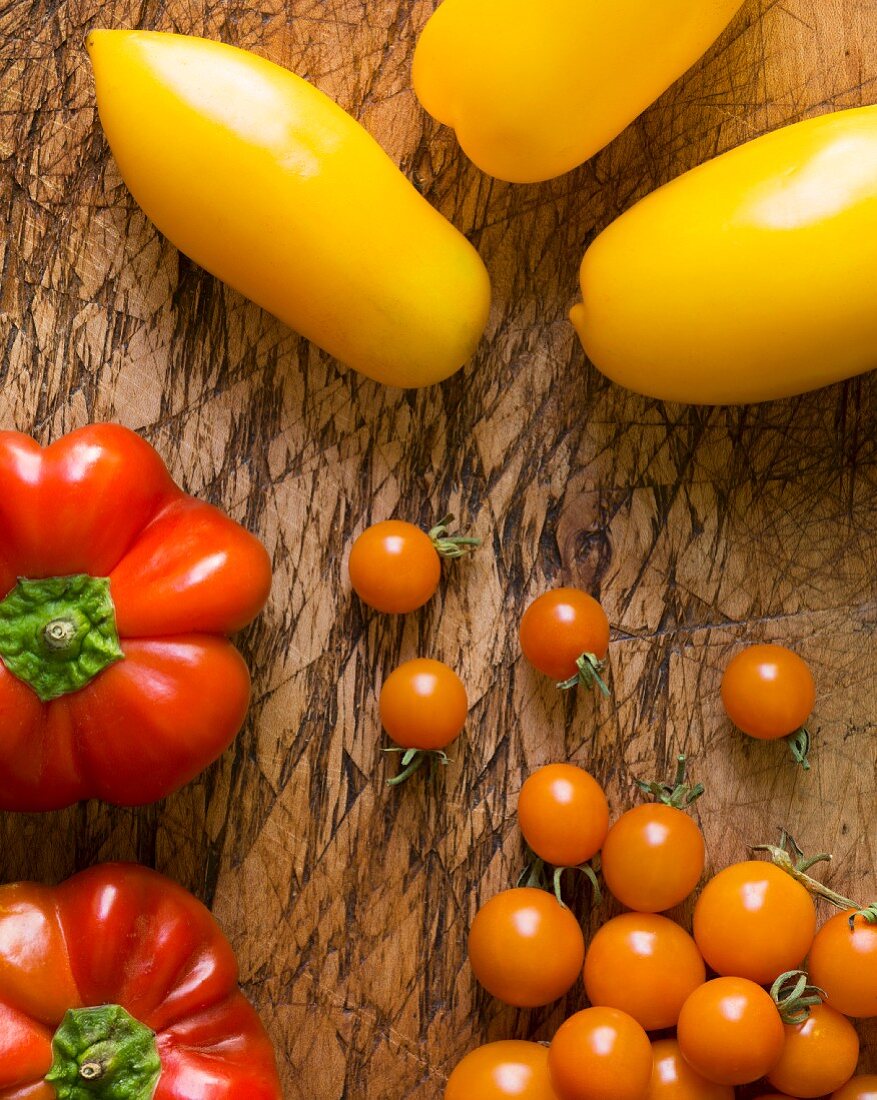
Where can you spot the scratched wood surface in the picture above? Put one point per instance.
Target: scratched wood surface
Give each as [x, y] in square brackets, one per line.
[699, 529]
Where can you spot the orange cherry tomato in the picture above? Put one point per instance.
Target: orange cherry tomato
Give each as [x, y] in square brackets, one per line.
[843, 962]
[600, 1054]
[862, 1087]
[525, 948]
[730, 1031]
[563, 814]
[498, 1071]
[653, 857]
[423, 705]
[394, 567]
[819, 1055]
[559, 628]
[674, 1079]
[644, 965]
[754, 921]
[768, 691]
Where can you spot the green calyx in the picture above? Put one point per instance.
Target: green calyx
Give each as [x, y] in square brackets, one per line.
[103, 1052]
[414, 759]
[794, 996]
[448, 545]
[539, 875]
[589, 674]
[57, 634]
[799, 746]
[677, 794]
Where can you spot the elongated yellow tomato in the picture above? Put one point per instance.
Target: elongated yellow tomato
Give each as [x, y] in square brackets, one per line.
[271, 186]
[749, 278]
[535, 87]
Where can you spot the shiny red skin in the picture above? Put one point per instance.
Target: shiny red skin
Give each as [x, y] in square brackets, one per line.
[121, 934]
[182, 575]
[561, 625]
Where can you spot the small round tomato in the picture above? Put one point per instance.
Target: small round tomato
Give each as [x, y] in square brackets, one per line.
[525, 948]
[730, 1031]
[653, 857]
[843, 962]
[394, 567]
[768, 691]
[423, 705]
[819, 1055]
[502, 1070]
[863, 1087]
[565, 634]
[644, 965]
[563, 814]
[600, 1054]
[754, 921]
[674, 1079]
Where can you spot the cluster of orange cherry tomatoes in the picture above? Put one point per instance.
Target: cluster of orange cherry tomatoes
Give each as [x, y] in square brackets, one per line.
[754, 922]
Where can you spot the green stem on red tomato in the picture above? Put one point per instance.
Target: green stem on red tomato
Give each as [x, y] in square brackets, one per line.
[789, 857]
[58, 633]
[677, 794]
[589, 669]
[448, 545]
[103, 1052]
[794, 996]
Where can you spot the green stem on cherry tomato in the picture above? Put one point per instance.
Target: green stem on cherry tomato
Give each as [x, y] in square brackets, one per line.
[677, 794]
[536, 876]
[799, 746]
[789, 857]
[794, 996]
[414, 759]
[448, 545]
[588, 670]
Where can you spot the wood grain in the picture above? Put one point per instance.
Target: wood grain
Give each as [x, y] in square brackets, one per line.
[698, 529]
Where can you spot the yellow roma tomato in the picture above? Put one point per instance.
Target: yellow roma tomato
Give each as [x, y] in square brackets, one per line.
[730, 1031]
[749, 278]
[563, 814]
[502, 1071]
[674, 1079]
[752, 920]
[820, 1054]
[863, 1087]
[525, 948]
[644, 965]
[600, 1054]
[533, 89]
[843, 963]
[271, 186]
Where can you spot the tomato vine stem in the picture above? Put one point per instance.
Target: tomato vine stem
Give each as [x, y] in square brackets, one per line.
[448, 545]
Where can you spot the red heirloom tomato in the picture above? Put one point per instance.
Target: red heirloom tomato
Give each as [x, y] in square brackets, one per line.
[730, 1031]
[130, 979]
[563, 814]
[768, 692]
[645, 965]
[525, 948]
[600, 1054]
[863, 1087]
[843, 963]
[116, 678]
[819, 1055]
[754, 921]
[674, 1079]
[500, 1071]
[565, 634]
[395, 567]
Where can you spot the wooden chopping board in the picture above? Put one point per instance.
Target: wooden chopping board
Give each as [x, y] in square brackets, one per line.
[699, 529]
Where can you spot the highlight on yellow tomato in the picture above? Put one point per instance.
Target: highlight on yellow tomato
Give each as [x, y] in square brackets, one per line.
[267, 183]
[749, 278]
[535, 87]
